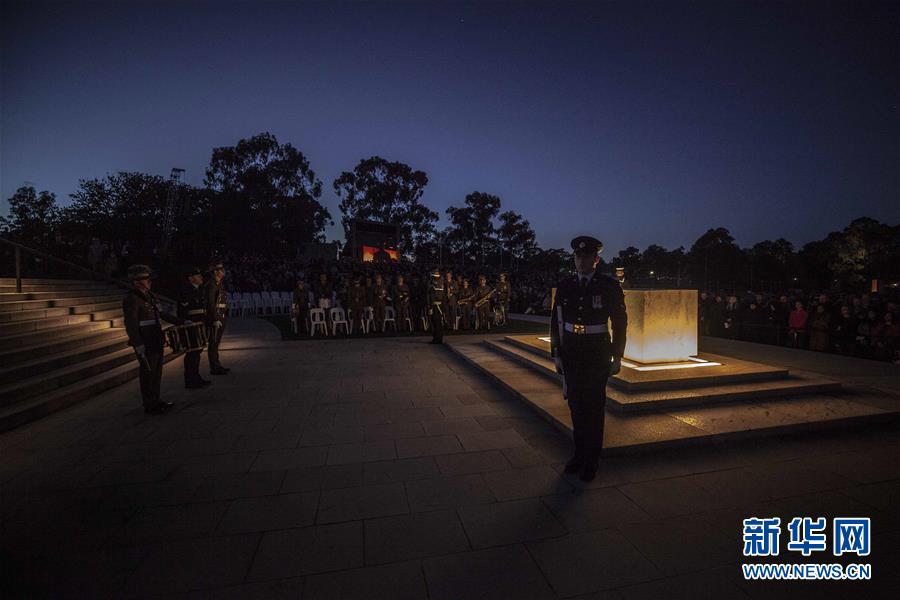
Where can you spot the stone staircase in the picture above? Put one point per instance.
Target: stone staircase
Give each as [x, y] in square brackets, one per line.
[754, 400]
[61, 342]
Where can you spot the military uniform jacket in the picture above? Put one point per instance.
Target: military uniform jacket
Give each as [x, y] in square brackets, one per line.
[451, 291]
[503, 291]
[192, 304]
[356, 297]
[593, 304]
[380, 291]
[482, 292]
[142, 321]
[401, 294]
[436, 295]
[216, 301]
[466, 295]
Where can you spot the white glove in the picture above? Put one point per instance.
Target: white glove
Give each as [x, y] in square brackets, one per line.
[559, 366]
[217, 324]
[615, 365]
[139, 350]
[430, 312]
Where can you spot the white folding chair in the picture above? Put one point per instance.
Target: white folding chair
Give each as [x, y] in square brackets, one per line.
[338, 317]
[390, 316]
[368, 319]
[287, 299]
[256, 303]
[425, 320]
[408, 320]
[317, 321]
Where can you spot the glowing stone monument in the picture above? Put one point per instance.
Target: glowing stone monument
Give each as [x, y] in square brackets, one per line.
[662, 325]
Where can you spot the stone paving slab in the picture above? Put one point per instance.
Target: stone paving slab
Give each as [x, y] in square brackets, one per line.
[221, 498]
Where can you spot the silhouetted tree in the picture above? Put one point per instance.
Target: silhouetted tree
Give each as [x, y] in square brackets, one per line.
[32, 216]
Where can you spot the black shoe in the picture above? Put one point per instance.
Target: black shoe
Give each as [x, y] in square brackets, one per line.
[219, 371]
[154, 409]
[195, 385]
[574, 464]
[166, 405]
[587, 471]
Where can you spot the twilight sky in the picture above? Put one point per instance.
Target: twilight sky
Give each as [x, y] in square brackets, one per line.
[636, 123]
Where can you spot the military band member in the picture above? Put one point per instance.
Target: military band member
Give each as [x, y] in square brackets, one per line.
[451, 291]
[300, 304]
[142, 313]
[380, 299]
[436, 307]
[584, 353]
[192, 309]
[465, 301]
[324, 293]
[356, 301]
[483, 295]
[503, 295]
[216, 315]
[401, 295]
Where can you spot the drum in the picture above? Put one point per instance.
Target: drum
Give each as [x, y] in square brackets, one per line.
[187, 338]
[174, 340]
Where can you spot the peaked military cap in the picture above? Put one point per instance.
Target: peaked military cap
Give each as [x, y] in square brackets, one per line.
[585, 244]
[216, 264]
[139, 272]
[436, 273]
[190, 271]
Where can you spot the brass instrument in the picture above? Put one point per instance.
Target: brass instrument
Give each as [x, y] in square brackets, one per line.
[485, 298]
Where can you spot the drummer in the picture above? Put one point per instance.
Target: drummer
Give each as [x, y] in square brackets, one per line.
[192, 308]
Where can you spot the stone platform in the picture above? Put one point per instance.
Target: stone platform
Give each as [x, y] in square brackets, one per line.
[658, 409]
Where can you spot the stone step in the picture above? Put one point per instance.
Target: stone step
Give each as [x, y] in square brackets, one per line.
[40, 406]
[54, 295]
[43, 383]
[622, 401]
[31, 338]
[38, 313]
[84, 309]
[36, 325]
[25, 305]
[66, 343]
[85, 349]
[651, 430]
[632, 380]
[108, 314]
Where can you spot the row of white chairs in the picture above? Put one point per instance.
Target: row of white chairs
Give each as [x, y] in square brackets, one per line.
[318, 321]
[242, 304]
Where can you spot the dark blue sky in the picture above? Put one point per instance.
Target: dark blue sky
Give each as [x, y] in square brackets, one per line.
[636, 123]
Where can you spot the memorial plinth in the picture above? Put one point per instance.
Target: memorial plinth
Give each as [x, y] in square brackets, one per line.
[662, 325]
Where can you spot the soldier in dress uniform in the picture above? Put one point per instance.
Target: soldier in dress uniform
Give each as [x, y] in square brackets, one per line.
[300, 305]
[380, 299]
[584, 353]
[216, 315]
[436, 307]
[324, 293]
[503, 295]
[451, 292]
[483, 295]
[401, 296]
[356, 301]
[192, 309]
[466, 298]
[142, 313]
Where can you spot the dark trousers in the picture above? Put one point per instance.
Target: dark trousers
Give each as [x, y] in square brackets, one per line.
[192, 367]
[484, 316]
[437, 326]
[464, 312]
[212, 348]
[151, 378]
[586, 374]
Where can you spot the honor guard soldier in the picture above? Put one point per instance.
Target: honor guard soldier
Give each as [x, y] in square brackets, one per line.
[192, 309]
[464, 304]
[300, 307]
[216, 313]
[356, 301]
[584, 353]
[451, 292]
[142, 313]
[503, 296]
[380, 299]
[436, 307]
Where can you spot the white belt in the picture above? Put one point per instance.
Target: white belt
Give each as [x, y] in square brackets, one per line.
[148, 322]
[578, 328]
[221, 305]
[197, 311]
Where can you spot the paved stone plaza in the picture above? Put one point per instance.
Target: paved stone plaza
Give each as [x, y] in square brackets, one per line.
[388, 468]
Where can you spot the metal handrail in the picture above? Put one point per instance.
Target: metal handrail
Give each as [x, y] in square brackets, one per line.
[19, 248]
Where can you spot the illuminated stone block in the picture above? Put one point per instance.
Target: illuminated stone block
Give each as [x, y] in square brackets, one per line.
[662, 325]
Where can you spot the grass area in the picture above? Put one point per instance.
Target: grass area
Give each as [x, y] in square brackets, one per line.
[283, 323]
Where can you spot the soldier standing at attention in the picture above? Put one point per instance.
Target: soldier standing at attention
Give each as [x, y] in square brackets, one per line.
[216, 312]
[436, 307]
[300, 305]
[356, 300]
[451, 291]
[585, 355]
[483, 303]
[192, 309]
[379, 301]
[140, 308]
[402, 299]
[464, 303]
